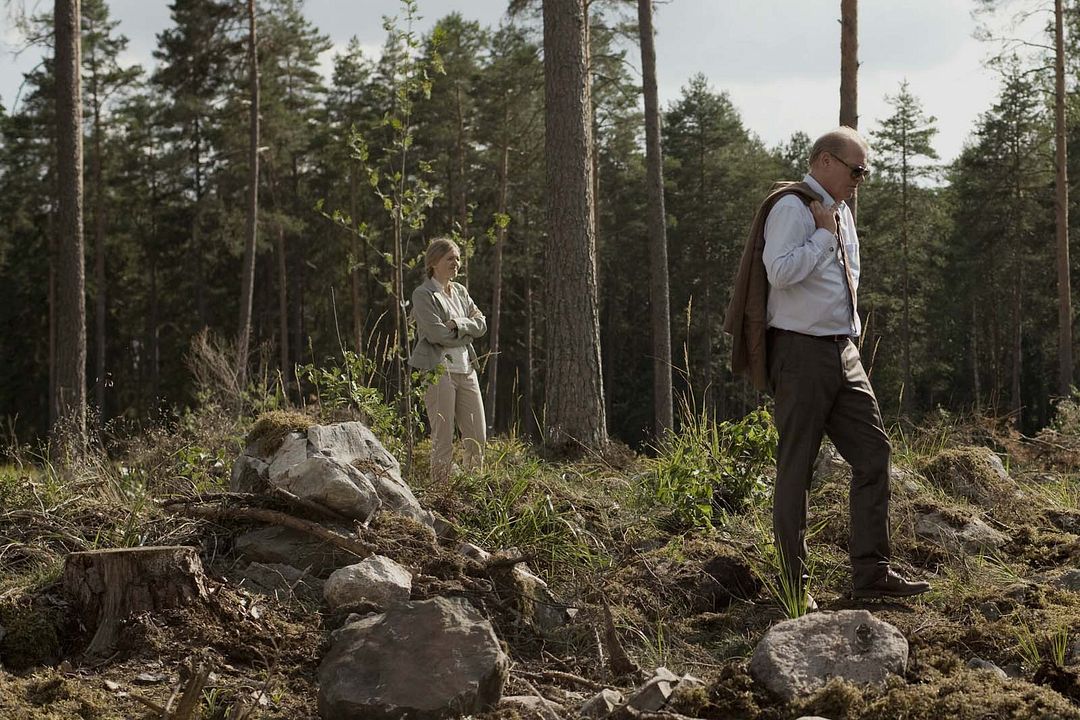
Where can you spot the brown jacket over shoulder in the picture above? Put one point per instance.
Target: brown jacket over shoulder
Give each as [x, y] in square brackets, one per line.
[747, 313]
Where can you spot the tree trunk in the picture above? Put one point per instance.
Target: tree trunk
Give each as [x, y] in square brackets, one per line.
[574, 414]
[69, 429]
[247, 278]
[905, 274]
[355, 258]
[1065, 362]
[659, 296]
[975, 384]
[111, 585]
[849, 73]
[531, 424]
[461, 198]
[99, 259]
[283, 308]
[496, 293]
[1017, 349]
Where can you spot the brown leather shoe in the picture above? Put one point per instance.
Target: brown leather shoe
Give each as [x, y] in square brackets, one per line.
[891, 585]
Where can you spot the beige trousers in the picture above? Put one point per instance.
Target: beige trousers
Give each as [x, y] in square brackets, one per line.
[455, 398]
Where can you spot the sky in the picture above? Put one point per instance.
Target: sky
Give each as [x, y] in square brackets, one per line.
[778, 60]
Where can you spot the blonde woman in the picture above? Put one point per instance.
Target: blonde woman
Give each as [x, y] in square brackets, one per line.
[447, 321]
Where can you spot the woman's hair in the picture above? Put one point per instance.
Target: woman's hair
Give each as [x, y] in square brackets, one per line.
[836, 142]
[436, 251]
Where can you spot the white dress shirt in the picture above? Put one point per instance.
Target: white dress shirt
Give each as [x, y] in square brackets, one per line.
[807, 289]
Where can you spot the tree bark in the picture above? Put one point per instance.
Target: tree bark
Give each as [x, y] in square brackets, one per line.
[99, 254]
[69, 430]
[849, 73]
[497, 271]
[659, 295]
[248, 271]
[111, 585]
[283, 308]
[1065, 361]
[574, 415]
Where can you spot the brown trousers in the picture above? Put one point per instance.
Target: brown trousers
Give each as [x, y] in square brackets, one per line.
[820, 387]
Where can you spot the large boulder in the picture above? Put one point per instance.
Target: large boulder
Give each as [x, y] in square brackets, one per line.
[377, 580]
[348, 454]
[331, 484]
[797, 657]
[959, 532]
[973, 473]
[424, 660]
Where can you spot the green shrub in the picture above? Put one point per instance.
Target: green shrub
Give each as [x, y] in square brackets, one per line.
[710, 467]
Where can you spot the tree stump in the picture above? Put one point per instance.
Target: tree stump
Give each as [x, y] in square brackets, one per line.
[111, 585]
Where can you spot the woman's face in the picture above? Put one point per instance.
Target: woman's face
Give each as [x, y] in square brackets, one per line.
[446, 269]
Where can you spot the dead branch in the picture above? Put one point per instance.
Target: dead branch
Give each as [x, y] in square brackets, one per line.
[273, 517]
[559, 676]
[619, 662]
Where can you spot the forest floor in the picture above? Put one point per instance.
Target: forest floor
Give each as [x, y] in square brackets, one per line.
[686, 576]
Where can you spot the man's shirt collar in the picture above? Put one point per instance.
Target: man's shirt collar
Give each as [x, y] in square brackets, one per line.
[826, 199]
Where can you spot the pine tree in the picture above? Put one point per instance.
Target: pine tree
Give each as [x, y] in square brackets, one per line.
[904, 138]
[574, 409]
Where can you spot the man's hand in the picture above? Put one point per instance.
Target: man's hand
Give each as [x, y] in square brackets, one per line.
[824, 217]
[451, 323]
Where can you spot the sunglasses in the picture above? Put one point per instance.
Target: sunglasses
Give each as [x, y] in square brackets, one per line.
[857, 171]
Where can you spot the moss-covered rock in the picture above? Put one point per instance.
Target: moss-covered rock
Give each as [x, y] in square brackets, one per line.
[270, 429]
[973, 473]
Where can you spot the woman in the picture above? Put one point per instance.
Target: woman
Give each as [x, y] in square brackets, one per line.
[447, 321]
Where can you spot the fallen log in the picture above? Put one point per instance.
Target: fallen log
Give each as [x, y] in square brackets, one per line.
[358, 548]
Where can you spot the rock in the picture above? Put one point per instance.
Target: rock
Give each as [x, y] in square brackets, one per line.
[812, 717]
[331, 484]
[424, 660]
[377, 580]
[725, 579]
[280, 581]
[601, 704]
[1069, 580]
[278, 545]
[371, 468]
[977, 663]
[1065, 520]
[474, 552]
[654, 694]
[351, 442]
[956, 533]
[990, 610]
[529, 594]
[531, 706]
[973, 473]
[354, 443]
[1024, 593]
[829, 465]
[250, 474]
[797, 657]
[292, 451]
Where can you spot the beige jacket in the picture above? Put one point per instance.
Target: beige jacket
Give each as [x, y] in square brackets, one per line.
[747, 319]
[431, 313]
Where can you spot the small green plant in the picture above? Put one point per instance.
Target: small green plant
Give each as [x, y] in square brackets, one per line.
[710, 467]
[792, 596]
[1027, 645]
[1058, 642]
[349, 383]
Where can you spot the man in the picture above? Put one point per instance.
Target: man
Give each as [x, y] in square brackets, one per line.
[801, 346]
